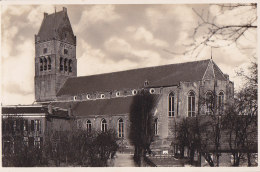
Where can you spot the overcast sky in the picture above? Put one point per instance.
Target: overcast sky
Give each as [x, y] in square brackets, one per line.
[112, 38]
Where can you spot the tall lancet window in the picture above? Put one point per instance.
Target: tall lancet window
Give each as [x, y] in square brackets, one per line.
[171, 104]
[45, 63]
[221, 102]
[41, 64]
[156, 126]
[49, 63]
[61, 64]
[70, 65]
[89, 126]
[103, 125]
[66, 64]
[120, 128]
[209, 103]
[191, 104]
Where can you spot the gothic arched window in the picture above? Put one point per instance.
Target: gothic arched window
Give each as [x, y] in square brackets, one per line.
[103, 125]
[41, 64]
[191, 104]
[120, 128]
[49, 63]
[65, 64]
[156, 126]
[45, 63]
[88, 126]
[171, 104]
[221, 102]
[61, 64]
[209, 103]
[70, 65]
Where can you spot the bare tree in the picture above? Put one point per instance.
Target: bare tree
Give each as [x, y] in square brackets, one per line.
[212, 31]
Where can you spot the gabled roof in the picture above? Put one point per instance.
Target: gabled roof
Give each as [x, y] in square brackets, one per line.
[56, 26]
[107, 107]
[166, 75]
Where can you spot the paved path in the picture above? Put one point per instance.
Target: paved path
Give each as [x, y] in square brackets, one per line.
[124, 160]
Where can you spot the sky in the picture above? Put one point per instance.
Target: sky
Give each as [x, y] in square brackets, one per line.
[116, 37]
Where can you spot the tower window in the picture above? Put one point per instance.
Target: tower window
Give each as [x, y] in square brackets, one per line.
[41, 64]
[120, 128]
[61, 64]
[65, 51]
[171, 105]
[65, 65]
[45, 50]
[191, 104]
[45, 63]
[103, 125]
[70, 65]
[88, 126]
[49, 63]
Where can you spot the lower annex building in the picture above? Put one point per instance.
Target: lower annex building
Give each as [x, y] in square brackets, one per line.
[102, 102]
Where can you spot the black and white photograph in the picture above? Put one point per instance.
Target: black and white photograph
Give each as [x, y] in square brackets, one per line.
[129, 85]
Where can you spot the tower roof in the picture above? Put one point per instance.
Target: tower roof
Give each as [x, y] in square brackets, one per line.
[56, 26]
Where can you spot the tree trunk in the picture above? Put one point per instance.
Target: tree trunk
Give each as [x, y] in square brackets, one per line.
[249, 159]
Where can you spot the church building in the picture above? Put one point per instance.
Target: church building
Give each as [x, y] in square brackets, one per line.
[101, 102]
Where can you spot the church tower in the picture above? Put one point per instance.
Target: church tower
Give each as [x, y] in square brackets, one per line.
[55, 55]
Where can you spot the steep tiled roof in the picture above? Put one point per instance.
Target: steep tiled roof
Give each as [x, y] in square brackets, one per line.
[166, 75]
[56, 26]
[120, 105]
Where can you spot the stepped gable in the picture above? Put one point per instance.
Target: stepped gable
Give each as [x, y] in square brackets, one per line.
[166, 75]
[108, 107]
[56, 26]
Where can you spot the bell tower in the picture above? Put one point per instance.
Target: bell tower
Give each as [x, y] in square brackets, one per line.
[55, 55]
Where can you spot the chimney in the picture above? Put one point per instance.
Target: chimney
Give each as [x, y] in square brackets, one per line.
[45, 15]
[64, 9]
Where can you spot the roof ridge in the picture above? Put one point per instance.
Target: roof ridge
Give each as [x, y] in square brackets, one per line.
[139, 69]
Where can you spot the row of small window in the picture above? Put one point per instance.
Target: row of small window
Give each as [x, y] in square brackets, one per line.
[102, 96]
[67, 64]
[120, 127]
[44, 63]
[21, 125]
[209, 102]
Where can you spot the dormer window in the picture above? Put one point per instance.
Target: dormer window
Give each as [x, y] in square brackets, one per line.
[134, 92]
[152, 91]
[75, 98]
[102, 96]
[88, 96]
[45, 50]
[117, 94]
